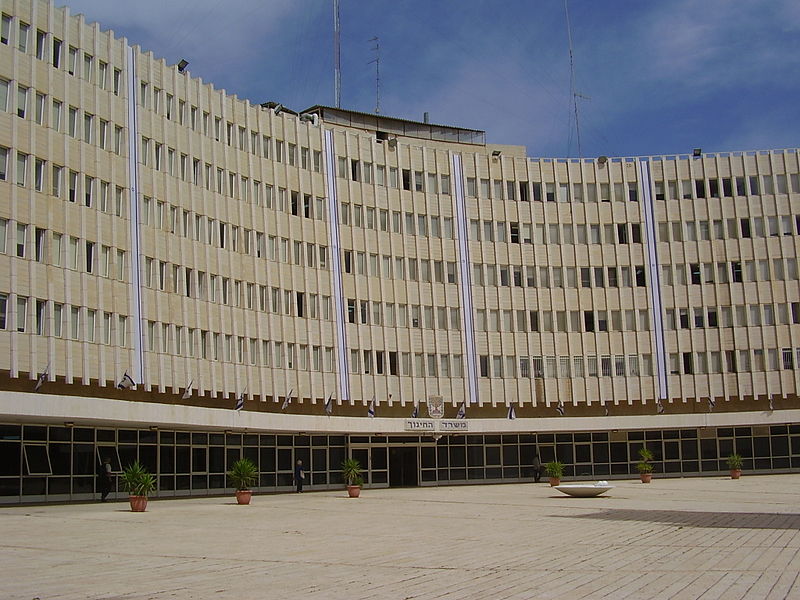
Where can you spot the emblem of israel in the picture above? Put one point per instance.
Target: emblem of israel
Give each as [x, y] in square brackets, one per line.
[435, 407]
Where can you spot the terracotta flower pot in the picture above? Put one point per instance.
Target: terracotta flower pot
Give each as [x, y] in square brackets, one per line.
[645, 477]
[243, 496]
[353, 491]
[138, 503]
[554, 481]
[736, 473]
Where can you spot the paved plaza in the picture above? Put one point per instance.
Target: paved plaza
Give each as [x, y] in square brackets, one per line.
[674, 538]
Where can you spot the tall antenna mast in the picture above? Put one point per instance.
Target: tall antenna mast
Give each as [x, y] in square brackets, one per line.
[377, 61]
[337, 63]
[574, 94]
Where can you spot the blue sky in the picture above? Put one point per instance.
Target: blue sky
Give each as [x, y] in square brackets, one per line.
[659, 77]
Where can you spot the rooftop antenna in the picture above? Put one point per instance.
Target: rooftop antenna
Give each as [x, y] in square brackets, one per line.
[337, 63]
[377, 61]
[573, 93]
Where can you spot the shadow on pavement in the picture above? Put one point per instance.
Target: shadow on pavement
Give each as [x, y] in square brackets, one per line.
[732, 520]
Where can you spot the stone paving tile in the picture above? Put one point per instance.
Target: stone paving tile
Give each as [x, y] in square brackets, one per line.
[672, 539]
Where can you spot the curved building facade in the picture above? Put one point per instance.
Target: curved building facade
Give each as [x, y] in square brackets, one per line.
[187, 278]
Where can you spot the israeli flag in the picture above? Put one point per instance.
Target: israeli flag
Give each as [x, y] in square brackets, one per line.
[187, 393]
[415, 412]
[43, 377]
[462, 411]
[659, 407]
[329, 405]
[371, 409]
[239, 402]
[512, 414]
[287, 399]
[126, 382]
[560, 408]
[711, 404]
[771, 405]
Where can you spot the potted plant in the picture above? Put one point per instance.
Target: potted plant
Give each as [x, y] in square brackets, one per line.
[138, 482]
[645, 465]
[243, 474]
[735, 465]
[351, 473]
[555, 471]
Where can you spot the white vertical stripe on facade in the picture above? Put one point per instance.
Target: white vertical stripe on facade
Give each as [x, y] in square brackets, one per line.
[655, 280]
[137, 369]
[465, 288]
[336, 266]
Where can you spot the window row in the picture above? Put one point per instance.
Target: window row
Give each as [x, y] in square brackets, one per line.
[192, 283]
[733, 361]
[396, 221]
[540, 233]
[728, 229]
[210, 345]
[418, 181]
[46, 317]
[200, 228]
[740, 315]
[164, 104]
[406, 364]
[47, 47]
[618, 365]
[558, 277]
[389, 314]
[78, 124]
[738, 271]
[61, 250]
[524, 191]
[562, 321]
[408, 269]
[726, 187]
[72, 185]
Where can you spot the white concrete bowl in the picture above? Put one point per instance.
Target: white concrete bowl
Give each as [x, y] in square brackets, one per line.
[584, 490]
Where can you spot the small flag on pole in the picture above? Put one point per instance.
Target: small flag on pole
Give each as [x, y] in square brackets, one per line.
[560, 408]
[287, 399]
[512, 414]
[606, 413]
[711, 404]
[462, 411]
[415, 412]
[771, 406]
[239, 402]
[371, 408]
[43, 377]
[659, 407]
[126, 382]
[187, 393]
[329, 405]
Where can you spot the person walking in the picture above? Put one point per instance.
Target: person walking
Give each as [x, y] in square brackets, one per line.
[104, 479]
[537, 468]
[299, 475]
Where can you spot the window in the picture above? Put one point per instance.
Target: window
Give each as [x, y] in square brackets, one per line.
[88, 64]
[22, 101]
[39, 108]
[22, 232]
[73, 60]
[22, 313]
[5, 29]
[22, 40]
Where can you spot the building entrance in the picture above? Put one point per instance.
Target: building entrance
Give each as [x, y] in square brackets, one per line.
[403, 466]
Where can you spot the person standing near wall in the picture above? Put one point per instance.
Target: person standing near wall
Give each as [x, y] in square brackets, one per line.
[104, 479]
[538, 469]
[299, 475]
